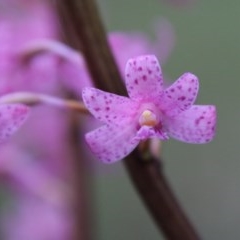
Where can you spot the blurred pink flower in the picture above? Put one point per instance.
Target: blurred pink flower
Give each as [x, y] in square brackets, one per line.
[32, 64]
[34, 162]
[150, 111]
[36, 61]
[124, 45]
[36, 21]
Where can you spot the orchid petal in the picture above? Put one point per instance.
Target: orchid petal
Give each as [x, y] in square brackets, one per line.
[12, 116]
[195, 125]
[112, 143]
[108, 107]
[143, 78]
[180, 95]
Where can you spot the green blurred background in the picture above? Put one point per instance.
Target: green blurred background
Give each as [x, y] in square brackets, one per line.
[205, 178]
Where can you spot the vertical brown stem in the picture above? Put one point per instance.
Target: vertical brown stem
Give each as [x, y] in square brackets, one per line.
[83, 228]
[88, 32]
[82, 184]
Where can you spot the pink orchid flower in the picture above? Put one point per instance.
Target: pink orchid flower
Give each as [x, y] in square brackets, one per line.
[150, 111]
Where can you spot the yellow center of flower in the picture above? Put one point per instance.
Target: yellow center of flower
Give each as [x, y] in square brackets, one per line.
[148, 118]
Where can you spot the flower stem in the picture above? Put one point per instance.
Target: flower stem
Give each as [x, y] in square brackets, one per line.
[81, 20]
[31, 98]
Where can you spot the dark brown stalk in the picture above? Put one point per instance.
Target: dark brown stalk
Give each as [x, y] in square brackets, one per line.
[82, 183]
[82, 180]
[83, 26]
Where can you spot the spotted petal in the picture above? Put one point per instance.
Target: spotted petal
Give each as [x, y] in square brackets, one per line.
[180, 95]
[143, 77]
[12, 116]
[108, 107]
[112, 143]
[195, 125]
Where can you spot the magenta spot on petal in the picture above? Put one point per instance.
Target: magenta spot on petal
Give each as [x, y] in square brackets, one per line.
[97, 109]
[140, 69]
[107, 108]
[144, 77]
[136, 81]
[182, 98]
[179, 87]
[149, 71]
[197, 121]
[172, 90]
[190, 89]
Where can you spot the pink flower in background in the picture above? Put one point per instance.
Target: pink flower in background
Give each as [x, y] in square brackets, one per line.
[32, 63]
[34, 163]
[124, 45]
[150, 111]
[37, 21]
[36, 60]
